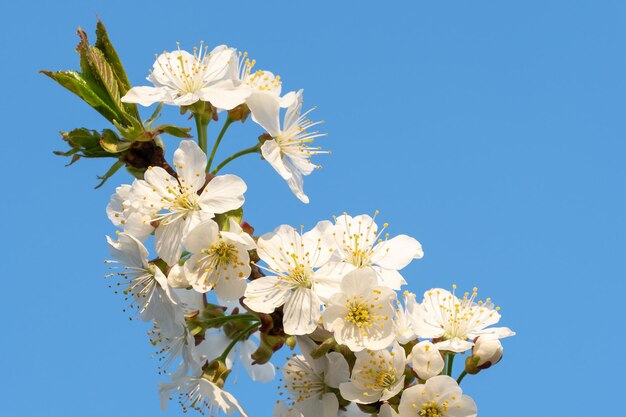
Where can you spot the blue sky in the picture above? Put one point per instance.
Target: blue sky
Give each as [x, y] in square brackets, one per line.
[493, 132]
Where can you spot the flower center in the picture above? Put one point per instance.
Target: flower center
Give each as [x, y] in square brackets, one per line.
[185, 202]
[385, 379]
[262, 81]
[359, 314]
[223, 253]
[430, 410]
[359, 258]
[300, 276]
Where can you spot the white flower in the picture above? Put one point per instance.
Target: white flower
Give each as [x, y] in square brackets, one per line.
[219, 260]
[426, 360]
[292, 257]
[200, 394]
[176, 204]
[361, 314]
[181, 79]
[442, 315]
[144, 282]
[290, 149]
[215, 343]
[402, 326]
[308, 381]
[487, 351]
[127, 216]
[360, 246]
[376, 376]
[175, 344]
[261, 81]
[440, 396]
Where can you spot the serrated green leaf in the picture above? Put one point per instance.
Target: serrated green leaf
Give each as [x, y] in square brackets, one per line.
[176, 131]
[114, 168]
[77, 84]
[103, 43]
[104, 72]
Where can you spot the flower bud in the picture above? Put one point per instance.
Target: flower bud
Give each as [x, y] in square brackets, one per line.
[487, 351]
[176, 277]
[426, 360]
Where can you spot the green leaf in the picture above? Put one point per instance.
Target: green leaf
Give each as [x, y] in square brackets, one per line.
[155, 115]
[111, 143]
[104, 72]
[223, 219]
[103, 43]
[77, 84]
[114, 168]
[177, 131]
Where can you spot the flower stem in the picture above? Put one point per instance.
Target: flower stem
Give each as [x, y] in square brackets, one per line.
[225, 162]
[450, 361]
[460, 378]
[225, 319]
[201, 128]
[227, 123]
[237, 338]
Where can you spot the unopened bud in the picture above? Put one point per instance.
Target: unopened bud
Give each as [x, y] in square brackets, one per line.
[487, 351]
[176, 277]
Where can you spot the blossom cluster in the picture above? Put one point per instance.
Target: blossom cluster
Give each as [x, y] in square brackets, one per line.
[215, 293]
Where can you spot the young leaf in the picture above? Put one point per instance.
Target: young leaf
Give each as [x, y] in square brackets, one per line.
[114, 168]
[176, 131]
[77, 84]
[103, 43]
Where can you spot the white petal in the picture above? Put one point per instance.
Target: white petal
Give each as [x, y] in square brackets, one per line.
[264, 295]
[272, 154]
[168, 240]
[351, 392]
[387, 411]
[202, 236]
[389, 278]
[330, 405]
[499, 332]
[301, 312]
[295, 183]
[190, 163]
[146, 96]
[265, 111]
[398, 252]
[454, 345]
[338, 370]
[224, 95]
[223, 193]
[232, 289]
